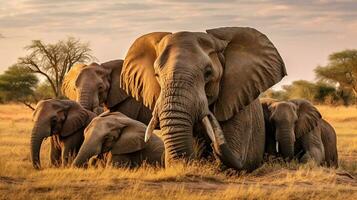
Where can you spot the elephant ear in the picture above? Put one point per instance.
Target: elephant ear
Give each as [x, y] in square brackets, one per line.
[129, 141]
[69, 82]
[131, 135]
[252, 65]
[115, 93]
[308, 117]
[138, 75]
[266, 103]
[76, 118]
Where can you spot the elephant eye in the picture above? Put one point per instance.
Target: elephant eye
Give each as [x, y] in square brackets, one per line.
[53, 121]
[100, 87]
[208, 72]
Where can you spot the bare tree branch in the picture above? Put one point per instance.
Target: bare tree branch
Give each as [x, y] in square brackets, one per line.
[53, 61]
[28, 105]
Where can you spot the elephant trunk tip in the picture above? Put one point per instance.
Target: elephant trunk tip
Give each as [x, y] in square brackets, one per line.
[36, 166]
[36, 141]
[75, 165]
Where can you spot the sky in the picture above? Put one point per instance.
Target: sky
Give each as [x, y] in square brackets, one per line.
[304, 32]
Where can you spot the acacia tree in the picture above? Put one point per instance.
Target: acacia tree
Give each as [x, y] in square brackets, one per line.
[341, 69]
[300, 89]
[18, 84]
[53, 61]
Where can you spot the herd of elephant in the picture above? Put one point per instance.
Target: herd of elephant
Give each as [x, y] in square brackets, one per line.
[182, 96]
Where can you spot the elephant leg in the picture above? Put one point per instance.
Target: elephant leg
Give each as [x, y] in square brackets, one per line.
[129, 107]
[55, 152]
[245, 135]
[67, 155]
[71, 147]
[103, 160]
[107, 158]
[144, 115]
[134, 109]
[306, 157]
[121, 161]
[313, 146]
[257, 144]
[270, 146]
[152, 154]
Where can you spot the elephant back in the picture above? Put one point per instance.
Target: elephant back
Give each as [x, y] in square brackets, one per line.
[69, 81]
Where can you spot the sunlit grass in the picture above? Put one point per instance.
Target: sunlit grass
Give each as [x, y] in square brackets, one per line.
[197, 180]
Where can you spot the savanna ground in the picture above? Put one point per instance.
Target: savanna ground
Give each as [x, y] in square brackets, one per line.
[274, 180]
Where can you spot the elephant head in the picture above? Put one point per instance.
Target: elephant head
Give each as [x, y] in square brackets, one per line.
[95, 85]
[290, 120]
[55, 117]
[184, 76]
[109, 130]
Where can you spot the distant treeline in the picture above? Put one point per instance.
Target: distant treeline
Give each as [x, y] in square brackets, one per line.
[336, 82]
[317, 92]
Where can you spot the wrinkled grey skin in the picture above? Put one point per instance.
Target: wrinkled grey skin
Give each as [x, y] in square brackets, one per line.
[123, 138]
[295, 129]
[195, 80]
[63, 121]
[96, 86]
[329, 139]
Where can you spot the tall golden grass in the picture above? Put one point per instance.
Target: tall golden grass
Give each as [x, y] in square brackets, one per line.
[197, 180]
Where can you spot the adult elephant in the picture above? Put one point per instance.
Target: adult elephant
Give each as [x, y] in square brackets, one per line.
[295, 129]
[213, 79]
[97, 84]
[62, 120]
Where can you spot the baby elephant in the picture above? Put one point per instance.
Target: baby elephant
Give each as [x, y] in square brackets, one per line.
[123, 137]
[62, 120]
[295, 129]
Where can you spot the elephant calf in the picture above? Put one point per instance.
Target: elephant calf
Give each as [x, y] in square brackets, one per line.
[123, 137]
[295, 129]
[62, 120]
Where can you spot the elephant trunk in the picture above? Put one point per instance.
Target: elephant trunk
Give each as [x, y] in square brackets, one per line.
[85, 99]
[285, 137]
[83, 156]
[176, 122]
[37, 136]
[221, 148]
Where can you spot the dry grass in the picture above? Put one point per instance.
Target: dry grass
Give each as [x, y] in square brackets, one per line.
[274, 180]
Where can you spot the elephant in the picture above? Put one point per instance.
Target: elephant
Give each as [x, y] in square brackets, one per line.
[64, 122]
[196, 82]
[96, 84]
[329, 139]
[295, 129]
[123, 137]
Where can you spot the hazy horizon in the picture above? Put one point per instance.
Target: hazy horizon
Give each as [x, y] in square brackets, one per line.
[304, 32]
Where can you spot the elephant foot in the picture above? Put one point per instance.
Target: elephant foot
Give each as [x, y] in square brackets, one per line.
[306, 158]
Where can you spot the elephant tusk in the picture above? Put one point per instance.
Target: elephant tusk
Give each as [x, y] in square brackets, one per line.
[214, 131]
[151, 126]
[217, 130]
[277, 146]
[209, 129]
[153, 123]
[220, 146]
